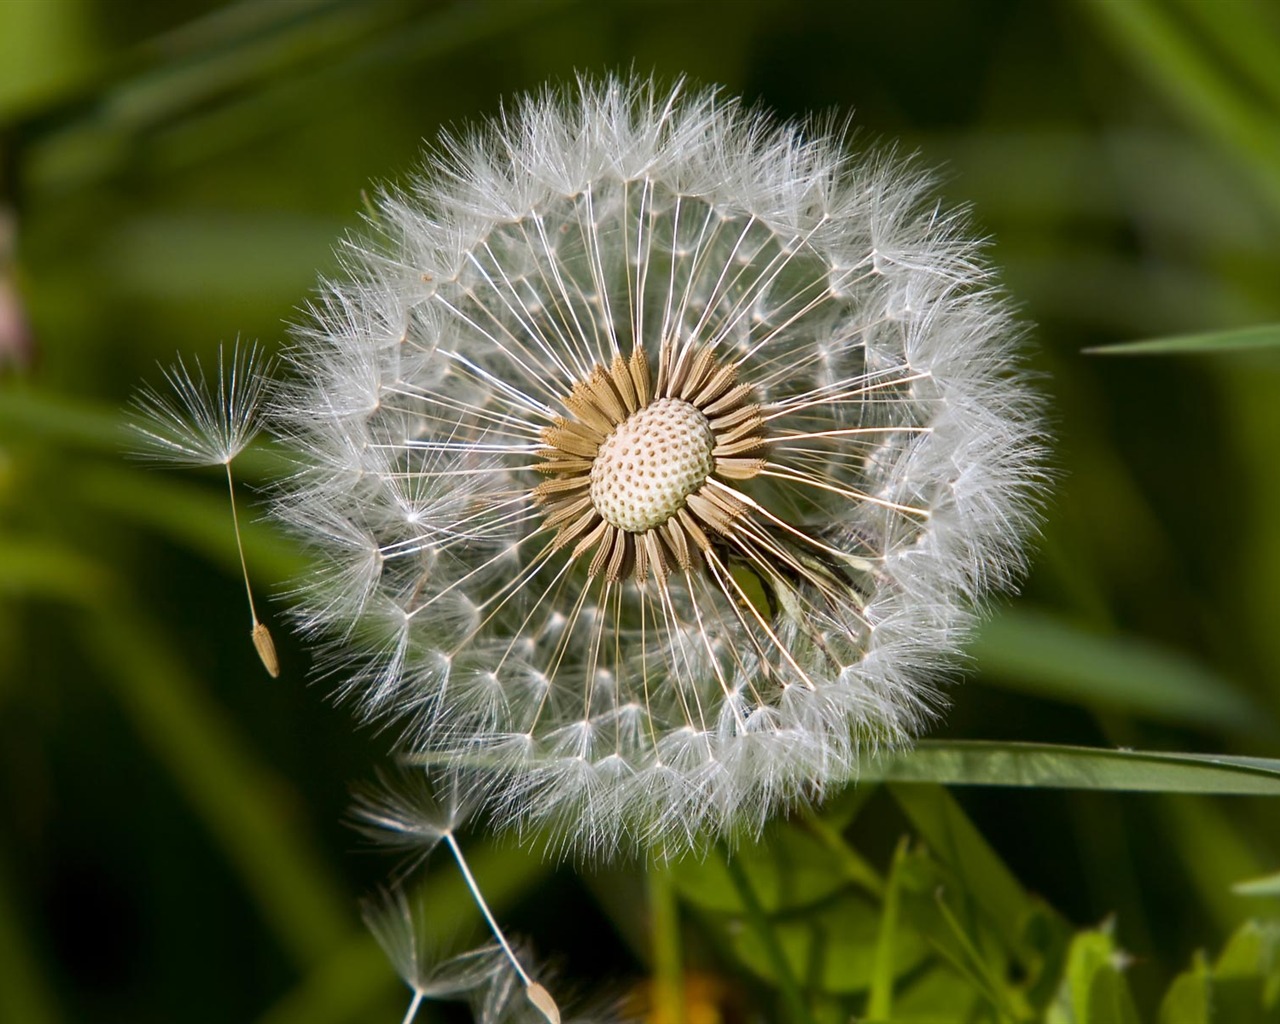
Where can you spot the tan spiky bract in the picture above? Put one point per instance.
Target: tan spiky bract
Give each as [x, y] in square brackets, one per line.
[656, 454]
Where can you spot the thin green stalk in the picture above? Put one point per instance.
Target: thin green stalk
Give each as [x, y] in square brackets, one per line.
[1245, 36]
[855, 867]
[25, 994]
[976, 964]
[224, 783]
[668, 968]
[792, 996]
[1182, 70]
[880, 1000]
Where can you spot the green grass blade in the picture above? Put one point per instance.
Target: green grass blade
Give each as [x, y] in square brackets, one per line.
[1036, 653]
[1180, 67]
[224, 783]
[195, 517]
[665, 945]
[1050, 766]
[25, 993]
[1241, 339]
[29, 413]
[788, 986]
[880, 999]
[979, 870]
[1247, 38]
[34, 567]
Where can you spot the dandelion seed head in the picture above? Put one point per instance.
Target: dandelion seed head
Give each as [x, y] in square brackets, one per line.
[656, 457]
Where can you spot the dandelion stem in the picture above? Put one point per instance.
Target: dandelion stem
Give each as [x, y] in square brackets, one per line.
[262, 642]
[235, 522]
[668, 977]
[790, 988]
[484, 907]
[538, 995]
[413, 1008]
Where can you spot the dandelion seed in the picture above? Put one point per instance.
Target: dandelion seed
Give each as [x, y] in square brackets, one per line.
[400, 928]
[411, 818]
[660, 455]
[195, 423]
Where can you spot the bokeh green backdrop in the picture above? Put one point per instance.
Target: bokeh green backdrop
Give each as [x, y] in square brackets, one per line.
[174, 175]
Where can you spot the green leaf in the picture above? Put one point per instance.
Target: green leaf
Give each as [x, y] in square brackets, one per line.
[1110, 1001]
[1094, 989]
[1189, 999]
[832, 949]
[977, 868]
[1251, 950]
[1239, 340]
[1242, 986]
[1044, 765]
[935, 994]
[788, 869]
[880, 1001]
[1037, 653]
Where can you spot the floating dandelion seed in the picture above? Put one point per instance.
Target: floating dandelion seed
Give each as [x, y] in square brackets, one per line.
[656, 459]
[410, 817]
[399, 929]
[193, 422]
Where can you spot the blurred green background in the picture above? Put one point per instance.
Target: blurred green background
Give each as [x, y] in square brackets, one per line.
[174, 175]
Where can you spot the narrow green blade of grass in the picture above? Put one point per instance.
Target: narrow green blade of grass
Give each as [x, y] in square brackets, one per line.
[25, 993]
[31, 414]
[1238, 340]
[224, 783]
[34, 567]
[195, 517]
[665, 946]
[1180, 66]
[1049, 766]
[880, 999]
[1036, 653]
[1214, 847]
[956, 842]
[797, 1011]
[1246, 37]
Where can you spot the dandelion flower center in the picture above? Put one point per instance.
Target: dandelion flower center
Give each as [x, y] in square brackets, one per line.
[650, 464]
[634, 471]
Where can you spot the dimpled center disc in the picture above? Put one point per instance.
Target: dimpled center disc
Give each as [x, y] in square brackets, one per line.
[651, 463]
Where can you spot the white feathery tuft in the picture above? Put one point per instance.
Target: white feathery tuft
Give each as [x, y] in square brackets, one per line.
[634, 653]
[193, 421]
